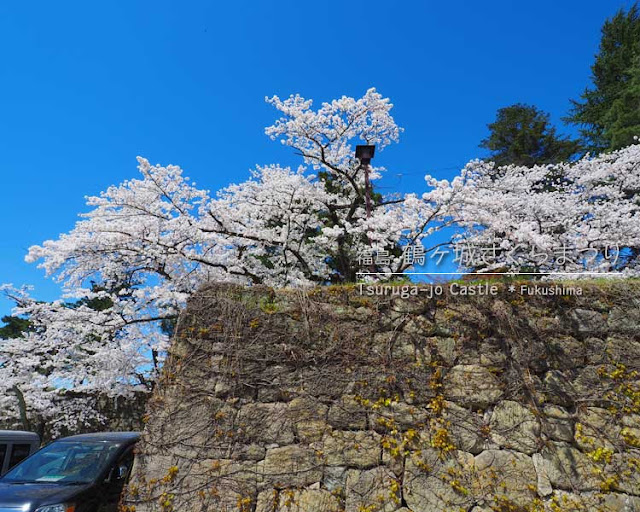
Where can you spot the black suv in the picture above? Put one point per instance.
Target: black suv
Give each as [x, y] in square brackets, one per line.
[83, 473]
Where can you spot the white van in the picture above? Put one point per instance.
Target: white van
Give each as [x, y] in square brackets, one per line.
[15, 446]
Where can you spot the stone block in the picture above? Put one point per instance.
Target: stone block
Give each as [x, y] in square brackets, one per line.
[373, 487]
[347, 413]
[472, 385]
[515, 427]
[289, 466]
[357, 449]
[268, 422]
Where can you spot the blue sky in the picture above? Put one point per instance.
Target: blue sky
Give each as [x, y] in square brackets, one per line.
[88, 86]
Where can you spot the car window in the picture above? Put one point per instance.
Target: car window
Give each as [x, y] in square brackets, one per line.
[19, 452]
[66, 462]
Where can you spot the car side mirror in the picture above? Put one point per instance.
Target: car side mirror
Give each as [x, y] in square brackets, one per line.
[116, 474]
[121, 472]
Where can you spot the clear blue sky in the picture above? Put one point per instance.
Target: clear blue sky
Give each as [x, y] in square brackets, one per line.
[88, 86]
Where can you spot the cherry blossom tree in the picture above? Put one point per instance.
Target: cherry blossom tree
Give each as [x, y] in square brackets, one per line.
[574, 218]
[145, 245]
[74, 354]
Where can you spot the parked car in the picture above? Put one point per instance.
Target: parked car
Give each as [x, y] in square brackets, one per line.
[83, 473]
[15, 446]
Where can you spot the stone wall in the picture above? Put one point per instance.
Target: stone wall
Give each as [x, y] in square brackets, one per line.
[327, 400]
[111, 414]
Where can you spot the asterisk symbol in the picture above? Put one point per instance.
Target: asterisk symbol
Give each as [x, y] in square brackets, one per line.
[512, 288]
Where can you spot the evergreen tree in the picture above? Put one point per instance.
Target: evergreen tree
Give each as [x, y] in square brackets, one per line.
[607, 112]
[522, 135]
[14, 327]
[622, 121]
